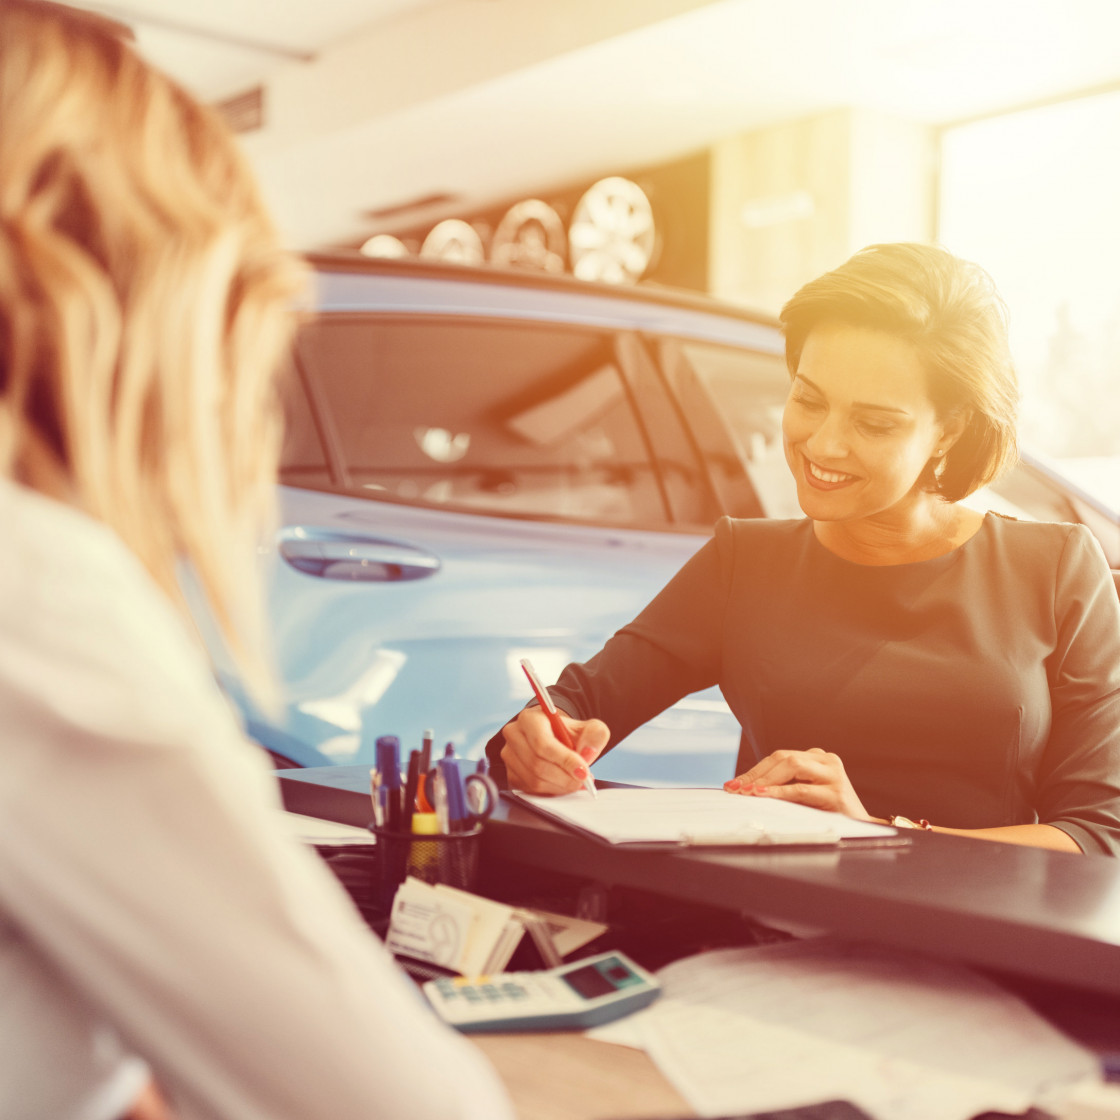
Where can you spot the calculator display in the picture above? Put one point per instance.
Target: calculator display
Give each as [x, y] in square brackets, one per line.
[589, 982]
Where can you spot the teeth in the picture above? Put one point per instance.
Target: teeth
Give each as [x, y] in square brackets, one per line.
[827, 476]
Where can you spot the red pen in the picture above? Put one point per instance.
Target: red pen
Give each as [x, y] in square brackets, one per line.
[558, 728]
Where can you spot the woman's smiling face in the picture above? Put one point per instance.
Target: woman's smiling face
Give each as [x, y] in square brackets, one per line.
[859, 426]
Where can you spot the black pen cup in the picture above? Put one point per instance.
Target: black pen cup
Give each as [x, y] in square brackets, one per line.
[441, 857]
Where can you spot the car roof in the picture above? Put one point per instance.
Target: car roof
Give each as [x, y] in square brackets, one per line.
[352, 283]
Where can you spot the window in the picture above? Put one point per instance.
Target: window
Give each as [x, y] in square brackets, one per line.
[302, 459]
[1032, 196]
[748, 392]
[490, 416]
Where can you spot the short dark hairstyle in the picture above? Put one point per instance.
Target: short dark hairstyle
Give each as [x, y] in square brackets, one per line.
[950, 311]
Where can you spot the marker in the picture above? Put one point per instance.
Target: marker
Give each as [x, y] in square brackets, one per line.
[411, 785]
[423, 855]
[452, 783]
[424, 793]
[389, 769]
[558, 728]
[437, 795]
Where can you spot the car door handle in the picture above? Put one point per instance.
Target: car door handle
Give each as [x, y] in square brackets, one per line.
[365, 559]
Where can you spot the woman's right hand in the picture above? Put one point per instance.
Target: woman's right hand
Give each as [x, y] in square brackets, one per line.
[537, 762]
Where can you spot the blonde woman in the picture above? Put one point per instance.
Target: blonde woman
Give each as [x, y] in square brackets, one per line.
[155, 919]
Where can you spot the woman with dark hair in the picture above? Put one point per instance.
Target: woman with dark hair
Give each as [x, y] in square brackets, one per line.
[156, 918]
[896, 655]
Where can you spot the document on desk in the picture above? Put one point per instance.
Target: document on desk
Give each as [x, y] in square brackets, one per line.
[699, 817]
[903, 1036]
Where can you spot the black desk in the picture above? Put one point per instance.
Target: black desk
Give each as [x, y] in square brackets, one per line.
[1046, 916]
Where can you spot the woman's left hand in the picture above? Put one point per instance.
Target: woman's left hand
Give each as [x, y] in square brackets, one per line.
[813, 777]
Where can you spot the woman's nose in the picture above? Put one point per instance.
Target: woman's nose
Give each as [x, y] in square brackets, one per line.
[828, 441]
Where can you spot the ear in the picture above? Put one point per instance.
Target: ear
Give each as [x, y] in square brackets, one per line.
[953, 426]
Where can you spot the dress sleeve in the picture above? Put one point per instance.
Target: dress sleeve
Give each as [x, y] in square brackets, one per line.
[1079, 780]
[671, 649]
[154, 879]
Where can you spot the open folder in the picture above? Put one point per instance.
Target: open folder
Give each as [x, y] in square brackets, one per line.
[700, 817]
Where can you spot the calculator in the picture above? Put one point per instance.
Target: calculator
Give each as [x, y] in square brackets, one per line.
[572, 996]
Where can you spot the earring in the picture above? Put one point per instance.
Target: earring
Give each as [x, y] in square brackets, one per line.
[939, 452]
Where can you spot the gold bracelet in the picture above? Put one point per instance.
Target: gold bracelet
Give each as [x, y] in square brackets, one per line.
[900, 821]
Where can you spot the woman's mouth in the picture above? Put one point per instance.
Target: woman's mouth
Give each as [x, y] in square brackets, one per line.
[820, 479]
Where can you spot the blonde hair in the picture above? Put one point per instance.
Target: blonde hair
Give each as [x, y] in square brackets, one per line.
[950, 311]
[144, 306]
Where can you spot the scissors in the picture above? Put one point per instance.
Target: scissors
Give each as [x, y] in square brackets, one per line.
[460, 801]
[482, 795]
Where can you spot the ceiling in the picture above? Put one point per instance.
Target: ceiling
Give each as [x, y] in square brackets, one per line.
[373, 104]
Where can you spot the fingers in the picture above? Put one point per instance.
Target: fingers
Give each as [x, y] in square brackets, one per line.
[590, 737]
[814, 777]
[802, 793]
[783, 767]
[537, 762]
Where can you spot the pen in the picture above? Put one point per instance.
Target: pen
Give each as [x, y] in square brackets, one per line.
[375, 797]
[411, 786]
[558, 728]
[389, 769]
[452, 780]
[424, 794]
[437, 794]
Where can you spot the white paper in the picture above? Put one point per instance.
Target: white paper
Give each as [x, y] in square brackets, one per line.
[313, 830]
[904, 1037]
[700, 816]
[427, 926]
[489, 936]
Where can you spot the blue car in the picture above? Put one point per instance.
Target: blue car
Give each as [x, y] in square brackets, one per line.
[482, 466]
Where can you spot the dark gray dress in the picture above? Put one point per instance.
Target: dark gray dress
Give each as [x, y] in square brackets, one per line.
[976, 689]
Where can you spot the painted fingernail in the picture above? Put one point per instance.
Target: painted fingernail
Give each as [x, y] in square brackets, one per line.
[733, 784]
[581, 772]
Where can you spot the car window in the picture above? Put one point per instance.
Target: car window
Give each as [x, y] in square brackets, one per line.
[496, 416]
[749, 391]
[1026, 493]
[303, 461]
[687, 486]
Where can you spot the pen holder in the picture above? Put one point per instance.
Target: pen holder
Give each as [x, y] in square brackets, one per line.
[450, 858]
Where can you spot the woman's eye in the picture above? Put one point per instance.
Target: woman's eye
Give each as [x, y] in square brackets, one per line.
[806, 402]
[877, 429]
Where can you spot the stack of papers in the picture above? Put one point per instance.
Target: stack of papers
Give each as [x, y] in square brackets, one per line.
[700, 816]
[471, 935]
[326, 834]
[900, 1035]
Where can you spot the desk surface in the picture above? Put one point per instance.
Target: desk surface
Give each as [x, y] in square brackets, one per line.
[1049, 916]
[571, 1077]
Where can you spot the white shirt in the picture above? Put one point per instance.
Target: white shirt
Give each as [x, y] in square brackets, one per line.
[152, 907]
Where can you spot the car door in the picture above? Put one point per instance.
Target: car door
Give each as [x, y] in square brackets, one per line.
[462, 493]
